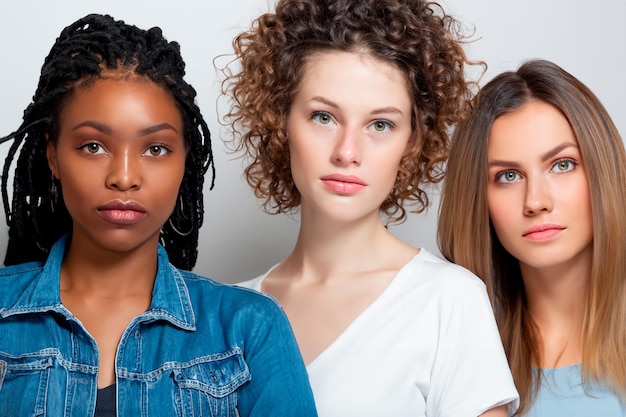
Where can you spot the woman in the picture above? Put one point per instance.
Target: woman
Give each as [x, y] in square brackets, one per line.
[95, 320]
[343, 107]
[533, 203]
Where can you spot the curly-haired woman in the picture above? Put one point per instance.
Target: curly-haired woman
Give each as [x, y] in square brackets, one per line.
[344, 107]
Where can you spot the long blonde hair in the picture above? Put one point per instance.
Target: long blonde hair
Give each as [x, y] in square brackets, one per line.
[466, 237]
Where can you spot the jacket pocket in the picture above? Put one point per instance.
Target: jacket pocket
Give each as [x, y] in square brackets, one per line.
[24, 383]
[208, 385]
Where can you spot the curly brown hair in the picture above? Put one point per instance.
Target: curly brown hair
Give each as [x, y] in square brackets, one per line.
[414, 36]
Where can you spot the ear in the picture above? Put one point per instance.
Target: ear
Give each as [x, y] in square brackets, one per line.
[51, 154]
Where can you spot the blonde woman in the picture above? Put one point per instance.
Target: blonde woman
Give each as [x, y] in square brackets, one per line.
[533, 203]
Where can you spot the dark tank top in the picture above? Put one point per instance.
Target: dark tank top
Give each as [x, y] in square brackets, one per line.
[105, 402]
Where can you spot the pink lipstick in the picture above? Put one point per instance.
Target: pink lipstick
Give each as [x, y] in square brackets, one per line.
[122, 212]
[542, 232]
[343, 184]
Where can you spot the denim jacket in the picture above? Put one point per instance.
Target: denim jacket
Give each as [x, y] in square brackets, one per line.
[201, 349]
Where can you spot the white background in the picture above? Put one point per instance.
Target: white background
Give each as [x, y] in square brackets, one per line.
[239, 241]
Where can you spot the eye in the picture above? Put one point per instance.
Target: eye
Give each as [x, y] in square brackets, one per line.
[382, 126]
[563, 165]
[93, 148]
[322, 118]
[507, 176]
[156, 150]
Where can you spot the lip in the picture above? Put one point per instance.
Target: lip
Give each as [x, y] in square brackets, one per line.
[543, 232]
[122, 212]
[343, 184]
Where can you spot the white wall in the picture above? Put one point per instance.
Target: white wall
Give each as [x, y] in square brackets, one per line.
[238, 241]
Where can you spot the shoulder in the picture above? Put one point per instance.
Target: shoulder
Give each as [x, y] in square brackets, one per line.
[428, 269]
[436, 293]
[243, 313]
[237, 296]
[429, 284]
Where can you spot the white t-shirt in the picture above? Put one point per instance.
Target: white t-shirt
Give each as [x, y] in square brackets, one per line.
[427, 346]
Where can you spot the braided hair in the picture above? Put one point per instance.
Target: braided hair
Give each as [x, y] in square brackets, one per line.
[37, 217]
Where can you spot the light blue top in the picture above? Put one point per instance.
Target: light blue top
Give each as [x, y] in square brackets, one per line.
[201, 349]
[562, 394]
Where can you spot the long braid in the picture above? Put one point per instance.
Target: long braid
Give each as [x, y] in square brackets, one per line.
[36, 219]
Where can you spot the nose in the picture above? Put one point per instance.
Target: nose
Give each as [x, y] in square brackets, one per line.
[124, 172]
[538, 197]
[348, 151]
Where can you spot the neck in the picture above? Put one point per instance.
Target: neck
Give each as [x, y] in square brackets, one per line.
[327, 248]
[556, 302]
[557, 290]
[91, 269]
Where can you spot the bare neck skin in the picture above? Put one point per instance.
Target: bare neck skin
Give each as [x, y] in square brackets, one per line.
[335, 272]
[556, 301]
[105, 291]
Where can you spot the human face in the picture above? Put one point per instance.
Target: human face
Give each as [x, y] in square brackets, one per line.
[348, 126]
[538, 193]
[120, 158]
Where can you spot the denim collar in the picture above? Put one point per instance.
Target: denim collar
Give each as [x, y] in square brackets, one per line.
[170, 297]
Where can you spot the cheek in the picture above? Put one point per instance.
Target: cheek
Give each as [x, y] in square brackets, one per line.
[298, 167]
[303, 155]
[76, 185]
[77, 192]
[390, 159]
[572, 198]
[578, 193]
[175, 177]
[500, 210]
[392, 169]
[580, 202]
[295, 153]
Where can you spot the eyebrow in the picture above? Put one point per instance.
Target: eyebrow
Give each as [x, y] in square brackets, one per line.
[546, 156]
[557, 150]
[382, 110]
[107, 130]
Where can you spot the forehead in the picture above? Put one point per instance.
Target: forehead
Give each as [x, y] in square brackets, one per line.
[350, 61]
[359, 74]
[111, 87]
[123, 105]
[530, 129]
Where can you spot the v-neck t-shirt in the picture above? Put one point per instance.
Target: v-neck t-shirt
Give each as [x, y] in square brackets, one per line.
[427, 346]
